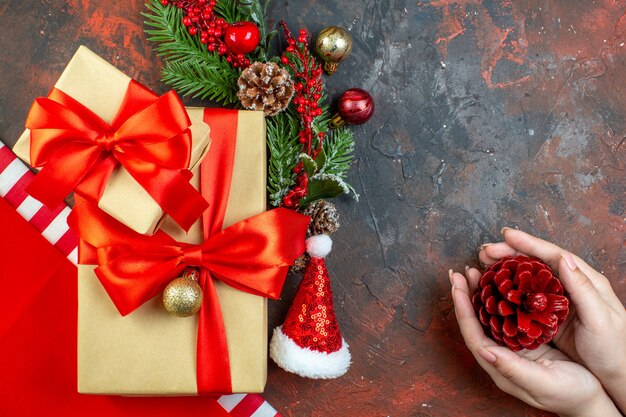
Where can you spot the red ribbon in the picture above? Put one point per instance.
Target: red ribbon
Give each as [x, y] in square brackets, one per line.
[149, 137]
[253, 255]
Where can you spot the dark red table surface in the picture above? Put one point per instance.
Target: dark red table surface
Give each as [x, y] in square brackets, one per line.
[489, 113]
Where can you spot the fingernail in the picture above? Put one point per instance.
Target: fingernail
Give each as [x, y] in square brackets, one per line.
[486, 355]
[484, 245]
[504, 229]
[569, 260]
[450, 272]
[466, 269]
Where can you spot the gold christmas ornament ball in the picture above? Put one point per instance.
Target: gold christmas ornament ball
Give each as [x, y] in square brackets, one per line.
[182, 297]
[333, 44]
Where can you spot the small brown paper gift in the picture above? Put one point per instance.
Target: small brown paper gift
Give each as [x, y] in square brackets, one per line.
[98, 85]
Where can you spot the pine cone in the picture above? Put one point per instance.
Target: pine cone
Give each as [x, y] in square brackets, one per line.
[520, 302]
[300, 263]
[266, 87]
[324, 218]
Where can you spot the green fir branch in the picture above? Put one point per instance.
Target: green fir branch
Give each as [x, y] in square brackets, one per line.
[339, 149]
[210, 79]
[282, 141]
[231, 11]
[172, 40]
[190, 69]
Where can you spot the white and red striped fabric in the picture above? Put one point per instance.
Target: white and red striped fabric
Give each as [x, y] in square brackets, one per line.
[14, 177]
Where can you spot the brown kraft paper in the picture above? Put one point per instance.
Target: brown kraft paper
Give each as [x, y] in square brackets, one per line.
[150, 352]
[101, 87]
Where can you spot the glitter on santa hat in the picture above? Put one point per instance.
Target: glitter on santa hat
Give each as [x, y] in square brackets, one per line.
[309, 343]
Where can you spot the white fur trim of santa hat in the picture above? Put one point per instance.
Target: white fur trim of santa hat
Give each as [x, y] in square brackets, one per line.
[319, 246]
[307, 362]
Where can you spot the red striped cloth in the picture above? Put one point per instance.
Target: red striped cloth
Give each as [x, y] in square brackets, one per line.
[14, 177]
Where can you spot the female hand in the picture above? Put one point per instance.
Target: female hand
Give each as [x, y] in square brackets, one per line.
[544, 378]
[595, 334]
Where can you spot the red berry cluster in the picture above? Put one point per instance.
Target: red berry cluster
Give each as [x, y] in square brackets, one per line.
[200, 20]
[307, 74]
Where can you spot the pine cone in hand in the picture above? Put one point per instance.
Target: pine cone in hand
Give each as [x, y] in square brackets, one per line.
[324, 218]
[520, 302]
[266, 87]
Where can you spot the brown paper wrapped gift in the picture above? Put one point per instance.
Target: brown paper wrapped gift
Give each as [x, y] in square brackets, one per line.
[149, 352]
[98, 85]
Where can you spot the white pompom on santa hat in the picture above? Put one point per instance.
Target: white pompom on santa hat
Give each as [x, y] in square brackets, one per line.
[309, 343]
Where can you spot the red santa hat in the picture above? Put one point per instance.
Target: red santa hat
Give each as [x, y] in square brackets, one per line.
[309, 343]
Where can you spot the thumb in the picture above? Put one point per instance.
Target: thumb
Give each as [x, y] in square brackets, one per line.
[584, 295]
[518, 370]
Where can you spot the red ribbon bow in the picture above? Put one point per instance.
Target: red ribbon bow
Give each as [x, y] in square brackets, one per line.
[149, 137]
[253, 255]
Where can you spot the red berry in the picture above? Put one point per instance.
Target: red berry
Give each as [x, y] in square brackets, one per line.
[165, 2]
[192, 30]
[186, 21]
[284, 60]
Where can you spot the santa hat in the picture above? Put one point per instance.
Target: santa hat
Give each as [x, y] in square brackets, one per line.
[309, 343]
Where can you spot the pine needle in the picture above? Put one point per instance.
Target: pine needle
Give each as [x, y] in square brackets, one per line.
[282, 141]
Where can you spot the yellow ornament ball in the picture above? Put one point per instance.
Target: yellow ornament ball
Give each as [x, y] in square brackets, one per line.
[332, 45]
[182, 297]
